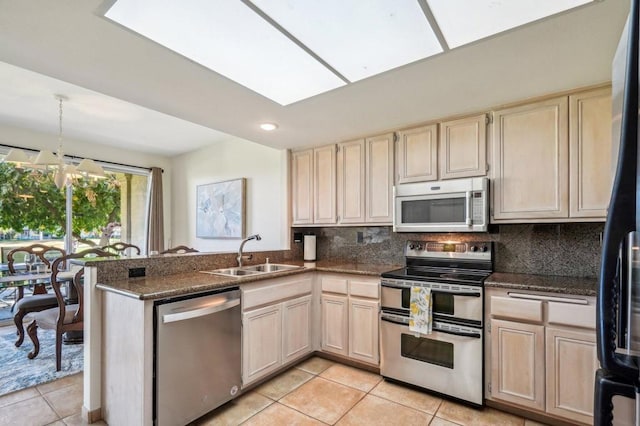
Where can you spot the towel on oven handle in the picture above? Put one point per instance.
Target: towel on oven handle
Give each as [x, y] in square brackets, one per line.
[420, 320]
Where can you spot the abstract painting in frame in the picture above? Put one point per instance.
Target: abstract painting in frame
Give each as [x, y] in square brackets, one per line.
[221, 209]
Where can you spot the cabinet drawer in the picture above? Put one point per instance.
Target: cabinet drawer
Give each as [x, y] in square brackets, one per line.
[334, 285]
[269, 293]
[364, 289]
[574, 315]
[506, 307]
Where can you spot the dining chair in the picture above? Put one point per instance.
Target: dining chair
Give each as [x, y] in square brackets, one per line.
[179, 249]
[62, 318]
[121, 248]
[40, 299]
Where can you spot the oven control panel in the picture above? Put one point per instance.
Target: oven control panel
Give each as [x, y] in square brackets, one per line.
[481, 250]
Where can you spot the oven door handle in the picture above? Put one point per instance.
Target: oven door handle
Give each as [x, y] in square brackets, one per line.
[459, 333]
[455, 293]
[383, 318]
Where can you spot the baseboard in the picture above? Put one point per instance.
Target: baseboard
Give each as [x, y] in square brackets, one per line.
[91, 416]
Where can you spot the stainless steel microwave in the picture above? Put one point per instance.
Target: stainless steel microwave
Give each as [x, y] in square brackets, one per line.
[459, 205]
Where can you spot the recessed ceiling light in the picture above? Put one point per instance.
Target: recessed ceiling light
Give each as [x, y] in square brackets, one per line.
[268, 126]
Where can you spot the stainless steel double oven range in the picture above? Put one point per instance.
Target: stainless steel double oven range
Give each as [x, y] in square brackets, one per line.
[449, 360]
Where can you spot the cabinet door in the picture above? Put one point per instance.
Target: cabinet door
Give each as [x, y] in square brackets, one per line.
[351, 186]
[363, 330]
[517, 363]
[530, 146]
[335, 327]
[302, 186]
[379, 178]
[324, 184]
[571, 365]
[261, 342]
[463, 147]
[417, 154]
[296, 328]
[590, 153]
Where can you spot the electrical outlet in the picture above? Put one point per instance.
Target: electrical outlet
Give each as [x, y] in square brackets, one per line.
[137, 272]
[359, 237]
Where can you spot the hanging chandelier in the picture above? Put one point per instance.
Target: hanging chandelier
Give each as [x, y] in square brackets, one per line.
[64, 173]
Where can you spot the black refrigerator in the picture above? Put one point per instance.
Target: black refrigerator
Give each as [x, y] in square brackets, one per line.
[617, 384]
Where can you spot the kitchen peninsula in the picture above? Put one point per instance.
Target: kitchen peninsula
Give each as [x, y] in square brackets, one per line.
[119, 314]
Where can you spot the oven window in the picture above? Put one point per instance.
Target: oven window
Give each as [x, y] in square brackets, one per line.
[427, 350]
[442, 302]
[445, 210]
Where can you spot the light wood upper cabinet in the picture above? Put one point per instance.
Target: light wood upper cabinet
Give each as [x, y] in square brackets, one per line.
[379, 179]
[313, 183]
[570, 368]
[517, 363]
[351, 181]
[324, 184]
[590, 153]
[417, 154]
[302, 186]
[463, 147]
[365, 180]
[530, 148]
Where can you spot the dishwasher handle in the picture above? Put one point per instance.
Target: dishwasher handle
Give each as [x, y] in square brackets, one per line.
[219, 305]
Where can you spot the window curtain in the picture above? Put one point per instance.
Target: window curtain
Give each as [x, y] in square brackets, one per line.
[155, 218]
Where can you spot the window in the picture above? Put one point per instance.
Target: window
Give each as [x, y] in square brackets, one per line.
[103, 211]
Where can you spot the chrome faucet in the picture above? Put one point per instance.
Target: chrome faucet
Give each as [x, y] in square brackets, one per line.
[240, 256]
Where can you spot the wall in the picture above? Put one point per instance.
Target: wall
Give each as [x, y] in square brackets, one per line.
[24, 138]
[266, 171]
[567, 249]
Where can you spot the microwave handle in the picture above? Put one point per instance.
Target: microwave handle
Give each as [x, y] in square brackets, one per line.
[468, 209]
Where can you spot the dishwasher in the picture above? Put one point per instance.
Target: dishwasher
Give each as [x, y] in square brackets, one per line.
[197, 350]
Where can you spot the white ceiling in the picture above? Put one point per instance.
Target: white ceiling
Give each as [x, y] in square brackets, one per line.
[127, 91]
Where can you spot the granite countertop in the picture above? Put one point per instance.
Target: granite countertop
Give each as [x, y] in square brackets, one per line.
[547, 283]
[159, 287]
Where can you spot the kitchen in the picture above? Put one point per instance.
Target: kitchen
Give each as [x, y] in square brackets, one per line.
[267, 168]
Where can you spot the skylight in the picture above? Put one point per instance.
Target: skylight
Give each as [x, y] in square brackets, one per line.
[466, 21]
[357, 38]
[295, 49]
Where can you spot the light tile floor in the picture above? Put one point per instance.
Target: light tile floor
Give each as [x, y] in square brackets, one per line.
[320, 392]
[315, 392]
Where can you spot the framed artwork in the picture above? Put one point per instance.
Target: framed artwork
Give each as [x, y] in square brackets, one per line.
[220, 209]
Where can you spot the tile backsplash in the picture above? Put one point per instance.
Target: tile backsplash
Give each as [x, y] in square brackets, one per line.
[569, 249]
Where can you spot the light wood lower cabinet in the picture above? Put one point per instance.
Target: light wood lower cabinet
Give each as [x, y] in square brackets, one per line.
[335, 324]
[296, 323]
[275, 335]
[350, 308]
[261, 342]
[542, 353]
[363, 330]
[571, 363]
[276, 324]
[517, 363]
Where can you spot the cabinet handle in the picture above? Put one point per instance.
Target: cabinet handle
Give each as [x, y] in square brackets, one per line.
[548, 298]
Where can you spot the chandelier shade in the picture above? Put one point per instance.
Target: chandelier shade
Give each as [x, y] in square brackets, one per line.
[46, 158]
[64, 172]
[17, 157]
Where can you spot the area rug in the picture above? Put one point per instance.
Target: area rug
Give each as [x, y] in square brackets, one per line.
[19, 372]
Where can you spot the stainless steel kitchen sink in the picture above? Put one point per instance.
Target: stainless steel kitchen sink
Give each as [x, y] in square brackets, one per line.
[264, 268]
[270, 267]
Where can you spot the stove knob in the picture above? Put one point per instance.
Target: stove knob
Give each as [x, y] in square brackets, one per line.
[484, 248]
[412, 246]
[473, 248]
